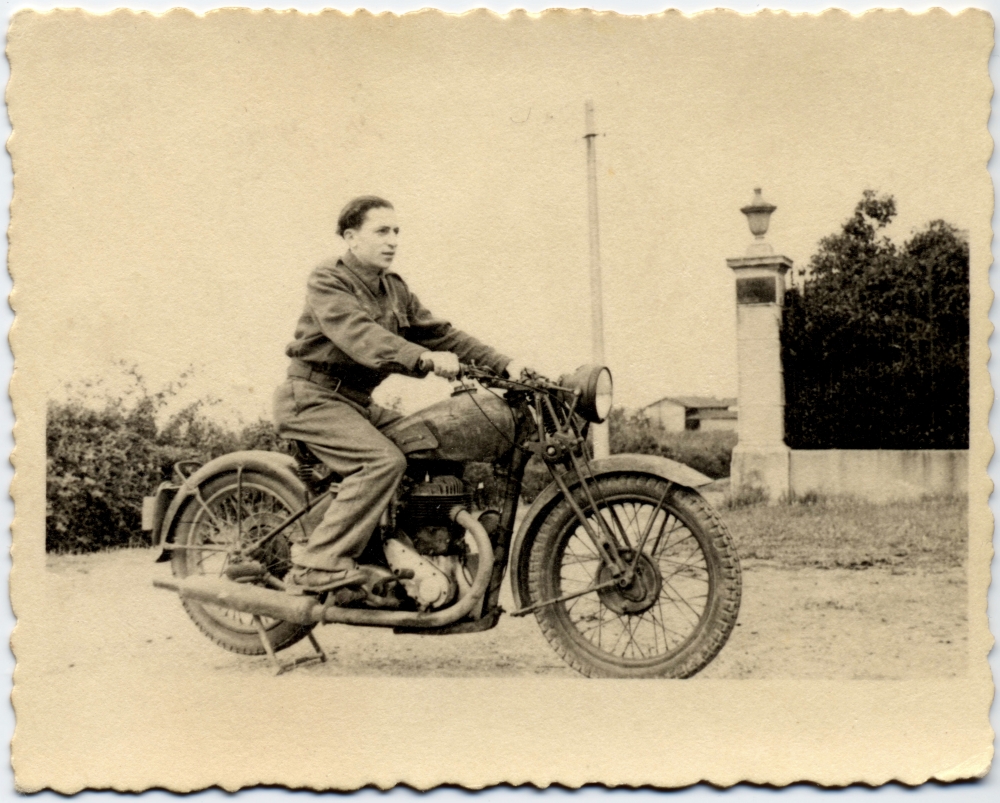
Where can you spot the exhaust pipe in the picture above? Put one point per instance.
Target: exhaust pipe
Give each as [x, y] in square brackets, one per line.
[362, 616]
[243, 597]
[305, 610]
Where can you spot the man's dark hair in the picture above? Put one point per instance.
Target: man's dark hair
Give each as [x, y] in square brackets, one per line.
[352, 216]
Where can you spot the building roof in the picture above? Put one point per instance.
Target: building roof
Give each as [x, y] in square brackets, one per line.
[696, 402]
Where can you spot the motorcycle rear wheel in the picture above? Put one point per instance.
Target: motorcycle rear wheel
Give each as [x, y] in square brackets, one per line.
[678, 612]
[208, 537]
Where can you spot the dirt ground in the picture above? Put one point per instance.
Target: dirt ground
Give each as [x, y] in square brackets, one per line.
[874, 622]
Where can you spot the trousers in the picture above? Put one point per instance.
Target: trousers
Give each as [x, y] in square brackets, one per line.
[345, 436]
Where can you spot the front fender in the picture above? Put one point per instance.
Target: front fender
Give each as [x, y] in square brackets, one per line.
[276, 464]
[650, 465]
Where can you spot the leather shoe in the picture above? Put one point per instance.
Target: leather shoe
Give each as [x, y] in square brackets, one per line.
[307, 580]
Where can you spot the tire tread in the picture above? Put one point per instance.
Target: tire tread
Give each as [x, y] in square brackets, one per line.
[697, 655]
[283, 634]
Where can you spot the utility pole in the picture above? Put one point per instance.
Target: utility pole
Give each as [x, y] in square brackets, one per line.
[602, 446]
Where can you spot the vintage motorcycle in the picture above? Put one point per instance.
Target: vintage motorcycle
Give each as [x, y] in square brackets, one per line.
[626, 567]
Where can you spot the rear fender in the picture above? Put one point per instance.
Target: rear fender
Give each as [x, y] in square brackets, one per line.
[650, 465]
[154, 509]
[275, 464]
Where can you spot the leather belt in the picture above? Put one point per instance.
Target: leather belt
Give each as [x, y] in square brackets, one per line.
[335, 384]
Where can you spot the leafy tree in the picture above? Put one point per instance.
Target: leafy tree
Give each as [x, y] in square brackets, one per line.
[876, 344]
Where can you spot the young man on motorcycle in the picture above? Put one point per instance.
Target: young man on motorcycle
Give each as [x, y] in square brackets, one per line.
[360, 324]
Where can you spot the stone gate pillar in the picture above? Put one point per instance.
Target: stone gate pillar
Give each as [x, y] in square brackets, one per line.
[761, 458]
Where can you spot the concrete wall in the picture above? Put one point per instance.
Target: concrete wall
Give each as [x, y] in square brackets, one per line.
[879, 474]
[716, 424]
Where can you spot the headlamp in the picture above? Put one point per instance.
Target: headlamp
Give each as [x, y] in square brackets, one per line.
[594, 385]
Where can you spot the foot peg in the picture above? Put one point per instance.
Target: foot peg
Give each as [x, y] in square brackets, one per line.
[343, 597]
[382, 587]
[244, 571]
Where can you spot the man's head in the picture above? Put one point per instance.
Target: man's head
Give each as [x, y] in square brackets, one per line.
[368, 226]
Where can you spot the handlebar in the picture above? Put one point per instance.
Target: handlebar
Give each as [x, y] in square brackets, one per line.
[486, 376]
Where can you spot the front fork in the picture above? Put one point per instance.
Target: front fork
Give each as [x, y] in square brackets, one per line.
[602, 538]
[622, 571]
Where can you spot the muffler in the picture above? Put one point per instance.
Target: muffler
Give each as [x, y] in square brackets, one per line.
[243, 597]
[306, 610]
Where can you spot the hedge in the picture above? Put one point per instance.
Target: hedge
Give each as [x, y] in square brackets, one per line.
[709, 452]
[101, 462]
[875, 343]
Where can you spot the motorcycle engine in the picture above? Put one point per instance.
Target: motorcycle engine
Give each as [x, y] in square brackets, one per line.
[425, 517]
[429, 545]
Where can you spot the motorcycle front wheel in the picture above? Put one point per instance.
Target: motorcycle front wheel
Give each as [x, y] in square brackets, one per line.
[215, 526]
[681, 606]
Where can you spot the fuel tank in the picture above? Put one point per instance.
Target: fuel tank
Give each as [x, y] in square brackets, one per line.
[472, 425]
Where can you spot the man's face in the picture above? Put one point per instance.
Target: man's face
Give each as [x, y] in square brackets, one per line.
[374, 243]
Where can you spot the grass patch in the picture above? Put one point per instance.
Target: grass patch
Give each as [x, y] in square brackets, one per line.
[745, 498]
[930, 534]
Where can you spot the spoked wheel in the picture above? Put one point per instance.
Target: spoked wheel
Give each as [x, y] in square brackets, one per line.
[213, 537]
[674, 616]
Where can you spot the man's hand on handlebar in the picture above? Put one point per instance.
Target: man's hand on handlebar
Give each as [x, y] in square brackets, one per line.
[518, 370]
[442, 363]
[446, 364]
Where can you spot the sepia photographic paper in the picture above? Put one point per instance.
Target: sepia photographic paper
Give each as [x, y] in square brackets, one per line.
[543, 398]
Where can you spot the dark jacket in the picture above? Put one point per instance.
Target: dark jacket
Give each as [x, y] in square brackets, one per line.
[362, 324]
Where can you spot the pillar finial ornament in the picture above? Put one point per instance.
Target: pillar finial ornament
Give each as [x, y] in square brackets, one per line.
[758, 213]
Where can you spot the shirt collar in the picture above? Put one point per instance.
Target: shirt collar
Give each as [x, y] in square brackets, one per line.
[370, 276]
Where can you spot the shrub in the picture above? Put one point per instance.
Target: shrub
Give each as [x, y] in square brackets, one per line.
[262, 435]
[101, 462]
[709, 452]
[536, 478]
[99, 465]
[490, 495]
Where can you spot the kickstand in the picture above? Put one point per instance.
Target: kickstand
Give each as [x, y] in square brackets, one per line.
[282, 666]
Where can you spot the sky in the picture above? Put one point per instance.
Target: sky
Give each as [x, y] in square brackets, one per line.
[189, 182]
